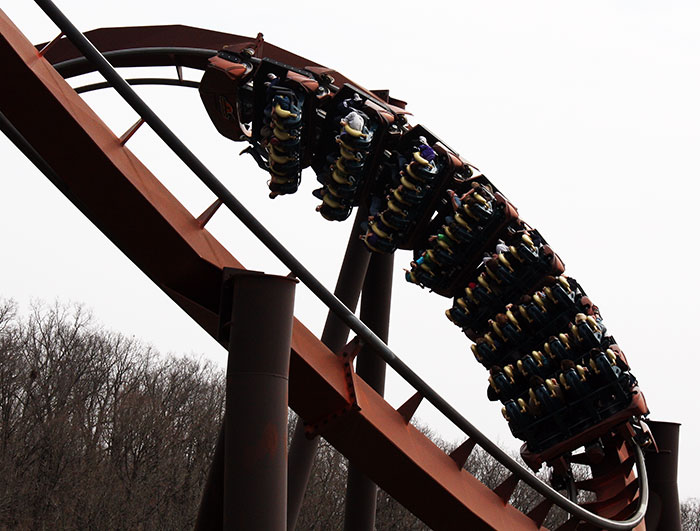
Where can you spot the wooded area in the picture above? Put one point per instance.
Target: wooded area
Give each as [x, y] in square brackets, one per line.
[97, 431]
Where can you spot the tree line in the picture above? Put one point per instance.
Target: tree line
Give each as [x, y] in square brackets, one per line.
[98, 431]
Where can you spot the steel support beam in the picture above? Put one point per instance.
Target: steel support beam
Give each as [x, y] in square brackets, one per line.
[664, 511]
[302, 450]
[375, 311]
[255, 423]
[247, 483]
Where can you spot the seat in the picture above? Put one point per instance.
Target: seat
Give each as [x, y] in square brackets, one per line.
[603, 368]
[527, 366]
[574, 382]
[556, 350]
[395, 219]
[518, 416]
[585, 336]
[477, 212]
[502, 385]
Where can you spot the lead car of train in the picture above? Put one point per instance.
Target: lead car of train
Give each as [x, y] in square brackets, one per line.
[561, 377]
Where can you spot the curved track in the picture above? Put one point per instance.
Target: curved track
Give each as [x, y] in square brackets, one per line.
[446, 493]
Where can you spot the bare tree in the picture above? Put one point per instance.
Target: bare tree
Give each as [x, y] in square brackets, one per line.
[690, 514]
[98, 431]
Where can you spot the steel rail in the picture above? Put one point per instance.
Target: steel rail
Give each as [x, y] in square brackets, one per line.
[171, 52]
[343, 313]
[79, 66]
[141, 81]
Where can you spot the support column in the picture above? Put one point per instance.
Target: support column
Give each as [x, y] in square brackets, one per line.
[257, 382]
[375, 310]
[335, 335]
[664, 510]
[248, 478]
[211, 508]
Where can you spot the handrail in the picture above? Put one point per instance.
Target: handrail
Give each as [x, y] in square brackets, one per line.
[335, 305]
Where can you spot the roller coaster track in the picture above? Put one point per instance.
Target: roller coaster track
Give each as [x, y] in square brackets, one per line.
[47, 120]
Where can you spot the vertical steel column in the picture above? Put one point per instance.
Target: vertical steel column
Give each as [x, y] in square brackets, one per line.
[255, 423]
[335, 335]
[247, 477]
[375, 310]
[664, 511]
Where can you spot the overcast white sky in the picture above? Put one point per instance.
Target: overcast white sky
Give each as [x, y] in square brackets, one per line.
[585, 116]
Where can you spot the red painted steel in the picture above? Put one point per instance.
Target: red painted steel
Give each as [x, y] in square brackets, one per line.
[302, 449]
[110, 39]
[135, 211]
[375, 312]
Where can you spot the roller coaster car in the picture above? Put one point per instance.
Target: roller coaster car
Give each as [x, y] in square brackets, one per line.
[565, 346]
[412, 179]
[353, 133]
[285, 98]
[540, 313]
[539, 318]
[273, 78]
[548, 450]
[535, 365]
[269, 104]
[284, 122]
[595, 394]
[505, 278]
[474, 227]
[227, 95]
